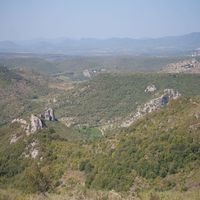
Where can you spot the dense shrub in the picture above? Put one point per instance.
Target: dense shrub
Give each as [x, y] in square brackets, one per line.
[35, 180]
[150, 152]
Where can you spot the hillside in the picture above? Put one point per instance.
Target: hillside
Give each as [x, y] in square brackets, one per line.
[163, 148]
[158, 157]
[185, 66]
[83, 151]
[109, 98]
[72, 67]
[18, 91]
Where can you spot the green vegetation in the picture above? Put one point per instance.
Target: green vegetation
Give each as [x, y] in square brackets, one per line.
[30, 62]
[89, 132]
[73, 66]
[115, 96]
[157, 146]
[158, 157]
[18, 89]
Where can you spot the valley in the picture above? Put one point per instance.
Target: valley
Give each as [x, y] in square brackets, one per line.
[115, 134]
[100, 100]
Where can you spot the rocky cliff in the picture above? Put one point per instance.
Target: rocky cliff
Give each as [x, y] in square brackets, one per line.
[151, 106]
[36, 124]
[49, 114]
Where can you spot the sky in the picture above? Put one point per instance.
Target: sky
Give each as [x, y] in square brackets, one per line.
[31, 19]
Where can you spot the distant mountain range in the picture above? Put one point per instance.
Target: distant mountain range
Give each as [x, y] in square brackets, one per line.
[172, 45]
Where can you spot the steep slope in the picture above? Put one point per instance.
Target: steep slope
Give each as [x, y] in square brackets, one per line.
[160, 151]
[158, 156]
[18, 90]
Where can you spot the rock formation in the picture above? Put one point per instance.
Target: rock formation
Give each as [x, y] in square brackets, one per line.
[36, 124]
[150, 88]
[174, 94]
[49, 115]
[151, 106]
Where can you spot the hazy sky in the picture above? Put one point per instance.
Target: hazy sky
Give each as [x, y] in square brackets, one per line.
[29, 19]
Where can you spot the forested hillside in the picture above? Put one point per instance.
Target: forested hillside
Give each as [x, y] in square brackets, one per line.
[18, 90]
[158, 156]
[110, 97]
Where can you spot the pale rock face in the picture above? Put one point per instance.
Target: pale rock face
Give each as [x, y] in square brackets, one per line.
[36, 124]
[151, 106]
[21, 121]
[151, 88]
[172, 93]
[49, 114]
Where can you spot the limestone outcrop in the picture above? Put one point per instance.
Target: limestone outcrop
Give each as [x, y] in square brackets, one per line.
[36, 124]
[151, 88]
[49, 114]
[151, 106]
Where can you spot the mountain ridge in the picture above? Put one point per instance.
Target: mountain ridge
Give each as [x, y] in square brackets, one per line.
[183, 44]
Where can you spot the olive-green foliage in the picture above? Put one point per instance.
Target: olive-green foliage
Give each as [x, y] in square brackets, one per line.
[110, 96]
[120, 63]
[6, 75]
[57, 130]
[35, 180]
[18, 90]
[85, 166]
[11, 159]
[161, 144]
[38, 64]
[73, 66]
[11, 162]
[158, 145]
[90, 133]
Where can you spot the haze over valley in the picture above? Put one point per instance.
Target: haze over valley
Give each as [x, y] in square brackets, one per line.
[99, 100]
